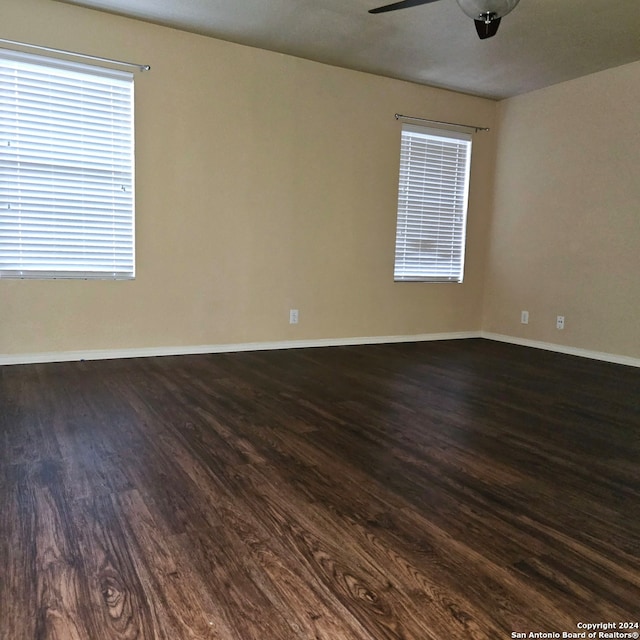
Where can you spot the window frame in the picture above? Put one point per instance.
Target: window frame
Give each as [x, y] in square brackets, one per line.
[433, 198]
[67, 167]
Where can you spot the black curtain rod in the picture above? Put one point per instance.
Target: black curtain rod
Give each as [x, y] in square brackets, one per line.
[450, 124]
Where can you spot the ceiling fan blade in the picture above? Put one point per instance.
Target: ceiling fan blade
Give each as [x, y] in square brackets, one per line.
[403, 4]
[487, 29]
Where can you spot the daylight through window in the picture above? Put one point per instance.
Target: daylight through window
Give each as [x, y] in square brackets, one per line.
[432, 205]
[66, 169]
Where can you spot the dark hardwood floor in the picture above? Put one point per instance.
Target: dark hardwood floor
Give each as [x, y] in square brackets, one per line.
[431, 491]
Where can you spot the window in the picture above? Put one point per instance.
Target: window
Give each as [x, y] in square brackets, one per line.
[432, 205]
[66, 169]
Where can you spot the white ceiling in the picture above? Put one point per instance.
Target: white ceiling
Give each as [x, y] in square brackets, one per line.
[540, 43]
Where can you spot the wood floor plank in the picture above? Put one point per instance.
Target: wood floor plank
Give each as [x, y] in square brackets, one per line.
[288, 585]
[18, 572]
[183, 605]
[60, 609]
[460, 490]
[120, 606]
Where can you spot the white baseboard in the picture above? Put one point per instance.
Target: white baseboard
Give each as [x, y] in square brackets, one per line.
[559, 348]
[111, 354]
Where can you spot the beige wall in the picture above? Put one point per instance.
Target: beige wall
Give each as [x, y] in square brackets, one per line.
[565, 234]
[264, 182]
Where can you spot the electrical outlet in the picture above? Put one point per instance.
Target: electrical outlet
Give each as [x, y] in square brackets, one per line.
[524, 317]
[293, 316]
[560, 322]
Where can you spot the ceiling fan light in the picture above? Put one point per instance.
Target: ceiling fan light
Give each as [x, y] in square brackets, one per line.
[479, 9]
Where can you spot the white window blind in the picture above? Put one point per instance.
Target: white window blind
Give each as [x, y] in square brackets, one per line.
[66, 169]
[432, 205]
